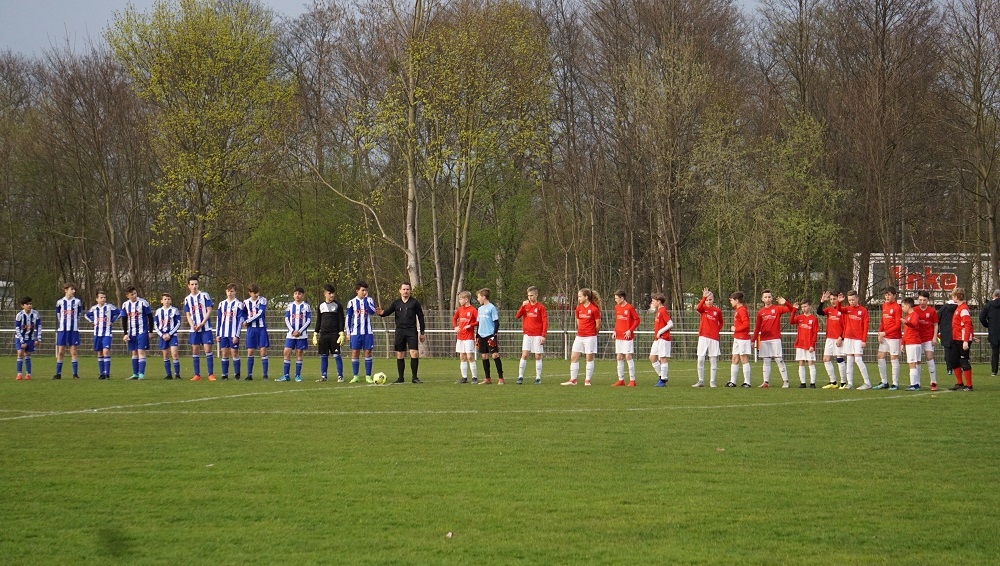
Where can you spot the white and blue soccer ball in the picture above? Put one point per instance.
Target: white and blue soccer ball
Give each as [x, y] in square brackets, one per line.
[379, 378]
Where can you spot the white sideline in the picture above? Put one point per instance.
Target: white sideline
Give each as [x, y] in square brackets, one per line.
[125, 409]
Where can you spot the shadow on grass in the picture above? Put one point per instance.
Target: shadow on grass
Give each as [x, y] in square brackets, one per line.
[114, 542]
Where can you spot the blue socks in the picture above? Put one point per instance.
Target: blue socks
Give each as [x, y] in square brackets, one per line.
[340, 365]
[368, 366]
[250, 366]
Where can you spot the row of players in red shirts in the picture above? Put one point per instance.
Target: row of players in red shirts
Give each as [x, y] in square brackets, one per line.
[847, 330]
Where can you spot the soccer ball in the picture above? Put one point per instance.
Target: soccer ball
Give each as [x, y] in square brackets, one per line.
[379, 378]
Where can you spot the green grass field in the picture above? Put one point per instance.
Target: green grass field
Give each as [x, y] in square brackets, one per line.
[234, 472]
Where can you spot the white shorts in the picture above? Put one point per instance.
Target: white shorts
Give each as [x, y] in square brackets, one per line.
[853, 347]
[805, 355]
[660, 348]
[890, 345]
[928, 346]
[914, 353]
[742, 347]
[585, 344]
[532, 344]
[832, 350]
[465, 346]
[770, 348]
[708, 347]
[624, 346]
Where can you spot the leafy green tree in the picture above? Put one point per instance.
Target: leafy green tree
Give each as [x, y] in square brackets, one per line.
[207, 70]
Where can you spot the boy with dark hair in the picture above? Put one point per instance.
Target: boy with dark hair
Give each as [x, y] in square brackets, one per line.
[742, 345]
[855, 319]
[27, 333]
[409, 322]
[298, 316]
[708, 337]
[659, 352]
[256, 325]
[229, 321]
[359, 330]
[833, 349]
[534, 326]
[912, 342]
[928, 331]
[168, 323]
[807, 330]
[889, 339]
[137, 322]
[465, 321]
[67, 329]
[198, 309]
[329, 333]
[626, 323]
[767, 335]
[102, 316]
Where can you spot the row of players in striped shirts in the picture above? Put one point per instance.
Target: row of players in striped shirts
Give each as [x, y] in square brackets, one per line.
[846, 333]
[138, 321]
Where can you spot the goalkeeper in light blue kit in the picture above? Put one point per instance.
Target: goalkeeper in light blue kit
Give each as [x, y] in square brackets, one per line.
[359, 329]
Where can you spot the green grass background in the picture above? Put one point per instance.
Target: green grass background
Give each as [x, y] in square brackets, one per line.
[231, 472]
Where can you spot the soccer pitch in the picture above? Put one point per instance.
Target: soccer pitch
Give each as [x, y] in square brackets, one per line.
[171, 472]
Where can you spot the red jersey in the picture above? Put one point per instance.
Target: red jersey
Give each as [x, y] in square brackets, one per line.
[768, 325]
[588, 318]
[535, 319]
[662, 318]
[741, 323]
[807, 330]
[892, 320]
[711, 320]
[912, 328]
[961, 324]
[855, 322]
[928, 320]
[834, 321]
[625, 319]
[465, 316]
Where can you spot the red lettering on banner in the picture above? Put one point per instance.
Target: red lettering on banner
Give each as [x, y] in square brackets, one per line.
[927, 280]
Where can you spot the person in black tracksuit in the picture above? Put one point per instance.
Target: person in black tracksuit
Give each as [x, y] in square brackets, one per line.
[330, 328]
[408, 315]
[989, 317]
[945, 313]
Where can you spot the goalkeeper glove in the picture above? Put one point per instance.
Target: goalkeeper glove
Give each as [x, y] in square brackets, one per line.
[340, 339]
[315, 338]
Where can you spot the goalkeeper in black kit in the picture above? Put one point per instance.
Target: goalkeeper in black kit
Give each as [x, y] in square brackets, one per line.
[409, 315]
[329, 334]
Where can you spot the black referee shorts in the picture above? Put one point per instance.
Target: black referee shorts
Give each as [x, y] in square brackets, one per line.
[328, 344]
[406, 340]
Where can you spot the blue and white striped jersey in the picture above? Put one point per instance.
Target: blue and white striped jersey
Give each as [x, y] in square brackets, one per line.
[28, 325]
[167, 321]
[298, 316]
[68, 314]
[137, 317]
[255, 311]
[359, 316]
[230, 315]
[198, 307]
[101, 316]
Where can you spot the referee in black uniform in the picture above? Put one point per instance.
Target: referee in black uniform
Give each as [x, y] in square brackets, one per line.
[408, 315]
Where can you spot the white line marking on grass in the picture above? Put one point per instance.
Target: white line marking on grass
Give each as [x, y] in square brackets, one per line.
[119, 408]
[123, 410]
